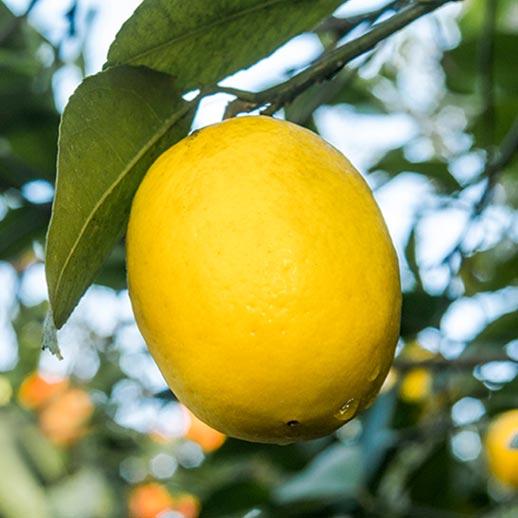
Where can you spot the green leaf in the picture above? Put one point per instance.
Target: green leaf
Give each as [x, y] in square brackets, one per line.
[14, 172]
[394, 163]
[494, 336]
[491, 269]
[20, 492]
[411, 258]
[475, 12]
[32, 140]
[344, 88]
[462, 64]
[504, 510]
[20, 227]
[25, 79]
[6, 17]
[29, 117]
[431, 483]
[47, 458]
[301, 109]
[335, 473]
[202, 42]
[88, 486]
[505, 114]
[376, 435]
[398, 474]
[421, 310]
[28, 328]
[498, 332]
[235, 497]
[113, 128]
[509, 181]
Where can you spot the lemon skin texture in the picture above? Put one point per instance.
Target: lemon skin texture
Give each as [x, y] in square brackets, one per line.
[263, 280]
[502, 458]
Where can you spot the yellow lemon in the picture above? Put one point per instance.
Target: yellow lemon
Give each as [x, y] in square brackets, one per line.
[416, 385]
[502, 448]
[264, 280]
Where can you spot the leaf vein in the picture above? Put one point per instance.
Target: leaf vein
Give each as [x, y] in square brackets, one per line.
[201, 29]
[175, 117]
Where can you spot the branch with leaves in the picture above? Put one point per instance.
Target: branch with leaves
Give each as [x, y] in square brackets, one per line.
[327, 65]
[340, 27]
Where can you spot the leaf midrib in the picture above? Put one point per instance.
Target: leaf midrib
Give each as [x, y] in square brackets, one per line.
[175, 117]
[199, 30]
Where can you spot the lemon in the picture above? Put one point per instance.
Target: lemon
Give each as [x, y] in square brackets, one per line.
[416, 386]
[263, 280]
[502, 448]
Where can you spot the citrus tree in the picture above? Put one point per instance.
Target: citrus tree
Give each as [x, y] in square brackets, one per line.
[103, 438]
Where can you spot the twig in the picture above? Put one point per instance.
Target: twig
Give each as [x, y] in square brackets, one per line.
[330, 63]
[13, 27]
[327, 66]
[500, 160]
[497, 160]
[340, 27]
[30, 7]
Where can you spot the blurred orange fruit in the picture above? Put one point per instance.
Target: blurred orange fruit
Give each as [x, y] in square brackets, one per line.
[202, 434]
[151, 499]
[187, 505]
[64, 419]
[36, 390]
[502, 448]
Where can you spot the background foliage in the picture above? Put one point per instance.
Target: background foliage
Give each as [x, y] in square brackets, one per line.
[417, 450]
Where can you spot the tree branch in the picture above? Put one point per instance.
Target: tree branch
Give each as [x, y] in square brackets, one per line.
[500, 160]
[328, 64]
[457, 363]
[339, 27]
[14, 26]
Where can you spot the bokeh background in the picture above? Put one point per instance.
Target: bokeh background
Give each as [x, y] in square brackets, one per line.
[423, 117]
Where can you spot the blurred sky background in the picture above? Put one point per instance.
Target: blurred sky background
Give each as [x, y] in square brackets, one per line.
[361, 137]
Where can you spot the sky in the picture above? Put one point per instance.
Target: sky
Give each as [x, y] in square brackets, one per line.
[361, 137]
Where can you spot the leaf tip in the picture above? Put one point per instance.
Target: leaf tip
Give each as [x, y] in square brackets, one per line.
[50, 336]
